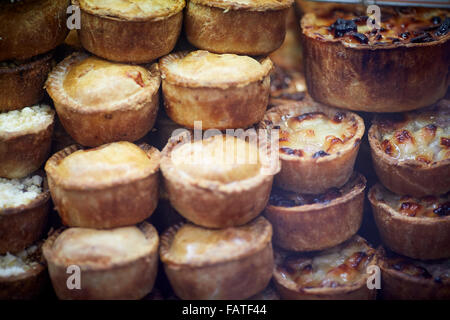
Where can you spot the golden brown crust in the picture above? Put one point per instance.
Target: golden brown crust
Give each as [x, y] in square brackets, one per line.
[416, 237]
[123, 203]
[31, 28]
[321, 225]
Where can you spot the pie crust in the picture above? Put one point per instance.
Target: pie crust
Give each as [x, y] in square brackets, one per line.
[237, 26]
[221, 91]
[316, 222]
[31, 27]
[226, 194]
[407, 279]
[227, 264]
[405, 69]
[99, 101]
[130, 31]
[353, 269]
[315, 173]
[22, 82]
[415, 236]
[126, 257]
[106, 187]
[411, 176]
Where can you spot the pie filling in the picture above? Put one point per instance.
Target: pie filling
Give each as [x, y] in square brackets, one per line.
[14, 265]
[25, 119]
[18, 192]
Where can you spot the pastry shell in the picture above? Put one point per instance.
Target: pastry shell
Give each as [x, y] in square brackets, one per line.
[415, 237]
[320, 225]
[222, 278]
[123, 203]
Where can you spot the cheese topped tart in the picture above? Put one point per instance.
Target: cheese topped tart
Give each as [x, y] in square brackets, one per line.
[20, 263]
[19, 192]
[28, 120]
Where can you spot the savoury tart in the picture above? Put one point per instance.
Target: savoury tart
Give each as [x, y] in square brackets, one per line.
[116, 264]
[226, 264]
[220, 90]
[130, 30]
[318, 145]
[230, 178]
[99, 101]
[415, 227]
[31, 27]
[106, 187]
[401, 66]
[22, 81]
[410, 151]
[24, 208]
[404, 278]
[315, 222]
[25, 139]
[338, 273]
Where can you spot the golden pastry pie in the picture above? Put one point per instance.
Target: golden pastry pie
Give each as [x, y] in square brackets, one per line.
[99, 101]
[415, 227]
[408, 279]
[237, 26]
[217, 182]
[25, 139]
[220, 90]
[106, 187]
[31, 27]
[24, 207]
[226, 264]
[339, 273]
[401, 66]
[318, 145]
[130, 30]
[305, 222]
[411, 153]
[117, 264]
[22, 81]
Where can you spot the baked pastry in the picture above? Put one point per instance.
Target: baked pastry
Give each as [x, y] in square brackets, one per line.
[25, 139]
[226, 264]
[24, 207]
[304, 222]
[125, 257]
[24, 275]
[318, 145]
[402, 66]
[410, 152]
[286, 86]
[31, 27]
[22, 82]
[99, 101]
[403, 278]
[222, 91]
[229, 178]
[107, 187]
[415, 227]
[237, 26]
[130, 30]
[339, 273]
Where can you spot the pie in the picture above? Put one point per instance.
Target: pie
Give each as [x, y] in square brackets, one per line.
[408, 279]
[31, 27]
[99, 101]
[24, 208]
[25, 139]
[106, 187]
[401, 66]
[237, 26]
[116, 264]
[305, 222]
[230, 179]
[318, 145]
[415, 227]
[130, 30]
[226, 264]
[220, 90]
[411, 153]
[339, 273]
[286, 86]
